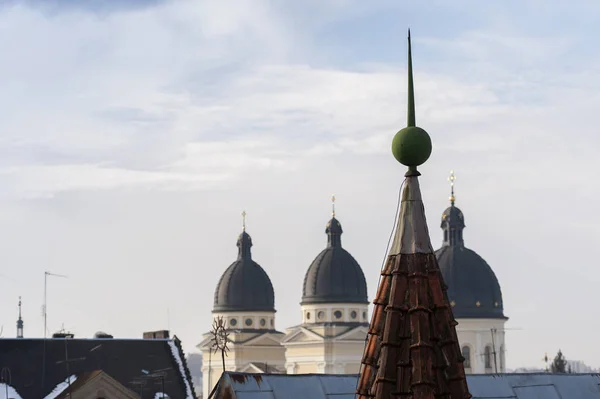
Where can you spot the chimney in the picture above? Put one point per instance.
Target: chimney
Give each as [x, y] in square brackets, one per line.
[63, 335]
[161, 334]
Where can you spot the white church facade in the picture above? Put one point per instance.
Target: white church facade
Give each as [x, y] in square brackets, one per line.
[335, 311]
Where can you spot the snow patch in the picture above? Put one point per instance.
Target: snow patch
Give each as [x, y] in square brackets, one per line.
[161, 395]
[12, 393]
[60, 388]
[175, 353]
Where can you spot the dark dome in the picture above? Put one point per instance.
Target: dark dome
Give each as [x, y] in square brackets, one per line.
[334, 276]
[454, 216]
[473, 288]
[245, 286]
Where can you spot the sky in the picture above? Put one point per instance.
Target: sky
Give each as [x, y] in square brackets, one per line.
[133, 134]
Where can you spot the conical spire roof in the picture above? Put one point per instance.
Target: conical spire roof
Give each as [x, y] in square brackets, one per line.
[412, 349]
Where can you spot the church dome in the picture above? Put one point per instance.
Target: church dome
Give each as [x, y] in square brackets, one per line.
[244, 286]
[334, 276]
[473, 289]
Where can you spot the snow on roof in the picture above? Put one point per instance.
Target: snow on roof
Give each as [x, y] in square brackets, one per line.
[8, 392]
[160, 395]
[330, 386]
[60, 388]
[175, 352]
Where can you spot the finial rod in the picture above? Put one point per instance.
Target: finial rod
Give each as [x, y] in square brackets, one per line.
[451, 179]
[244, 220]
[333, 206]
[411, 90]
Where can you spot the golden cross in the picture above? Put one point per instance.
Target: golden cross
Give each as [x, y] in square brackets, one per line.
[244, 220]
[333, 205]
[451, 179]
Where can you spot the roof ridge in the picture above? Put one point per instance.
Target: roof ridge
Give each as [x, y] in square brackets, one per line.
[183, 360]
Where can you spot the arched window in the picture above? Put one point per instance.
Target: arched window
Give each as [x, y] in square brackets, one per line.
[502, 365]
[466, 352]
[488, 357]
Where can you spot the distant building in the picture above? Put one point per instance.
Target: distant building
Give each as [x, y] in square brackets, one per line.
[475, 297]
[334, 307]
[194, 363]
[577, 366]
[245, 302]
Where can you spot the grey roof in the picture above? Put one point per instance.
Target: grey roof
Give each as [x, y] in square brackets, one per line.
[244, 286]
[334, 276]
[38, 366]
[473, 287]
[329, 386]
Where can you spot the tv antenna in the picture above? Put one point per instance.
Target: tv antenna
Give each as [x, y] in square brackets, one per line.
[45, 308]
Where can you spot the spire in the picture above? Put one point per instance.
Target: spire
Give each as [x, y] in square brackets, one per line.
[412, 145]
[244, 242]
[412, 349]
[411, 89]
[20, 322]
[451, 179]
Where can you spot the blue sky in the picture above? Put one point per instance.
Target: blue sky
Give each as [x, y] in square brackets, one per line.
[132, 137]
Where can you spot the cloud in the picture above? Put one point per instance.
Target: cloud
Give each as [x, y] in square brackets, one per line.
[142, 133]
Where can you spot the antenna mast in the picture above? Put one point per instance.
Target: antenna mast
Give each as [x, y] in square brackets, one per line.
[44, 308]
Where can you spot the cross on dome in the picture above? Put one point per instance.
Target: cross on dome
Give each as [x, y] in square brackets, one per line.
[451, 179]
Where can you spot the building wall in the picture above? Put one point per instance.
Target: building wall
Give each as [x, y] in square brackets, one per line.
[318, 348]
[477, 335]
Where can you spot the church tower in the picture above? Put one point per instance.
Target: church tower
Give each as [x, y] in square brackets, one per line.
[412, 349]
[474, 294]
[334, 312]
[20, 322]
[245, 303]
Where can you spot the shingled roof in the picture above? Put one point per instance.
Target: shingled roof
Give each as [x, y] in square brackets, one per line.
[38, 366]
[412, 349]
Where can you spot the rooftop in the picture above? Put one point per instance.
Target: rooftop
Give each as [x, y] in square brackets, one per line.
[37, 366]
[482, 386]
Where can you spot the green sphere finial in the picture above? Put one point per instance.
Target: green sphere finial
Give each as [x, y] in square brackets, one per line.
[411, 146]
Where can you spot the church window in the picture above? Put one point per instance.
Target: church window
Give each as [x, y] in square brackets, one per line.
[248, 322]
[272, 323]
[232, 322]
[353, 314]
[364, 315]
[263, 322]
[466, 352]
[307, 315]
[321, 315]
[488, 357]
[337, 314]
[445, 235]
